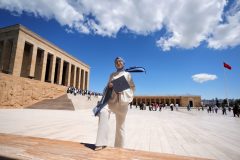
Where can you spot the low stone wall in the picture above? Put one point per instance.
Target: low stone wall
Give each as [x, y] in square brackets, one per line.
[19, 92]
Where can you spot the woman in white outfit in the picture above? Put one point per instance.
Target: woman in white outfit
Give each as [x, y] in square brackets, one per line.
[117, 104]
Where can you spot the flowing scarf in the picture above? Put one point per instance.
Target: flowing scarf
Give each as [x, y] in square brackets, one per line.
[135, 69]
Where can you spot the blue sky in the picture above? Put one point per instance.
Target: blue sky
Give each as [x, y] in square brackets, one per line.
[174, 41]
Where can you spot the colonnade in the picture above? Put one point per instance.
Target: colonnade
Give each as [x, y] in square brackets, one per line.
[181, 100]
[25, 54]
[163, 100]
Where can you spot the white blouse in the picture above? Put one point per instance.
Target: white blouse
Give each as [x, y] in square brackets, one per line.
[126, 96]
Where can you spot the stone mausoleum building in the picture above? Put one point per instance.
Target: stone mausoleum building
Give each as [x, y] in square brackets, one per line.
[25, 54]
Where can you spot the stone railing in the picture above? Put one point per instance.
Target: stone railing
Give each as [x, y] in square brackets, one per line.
[19, 92]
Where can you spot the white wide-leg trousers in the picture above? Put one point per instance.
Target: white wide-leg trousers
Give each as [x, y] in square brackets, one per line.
[103, 125]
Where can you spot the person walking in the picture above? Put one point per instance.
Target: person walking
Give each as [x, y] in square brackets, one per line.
[118, 104]
[171, 106]
[177, 106]
[236, 110]
[216, 109]
[188, 107]
[224, 110]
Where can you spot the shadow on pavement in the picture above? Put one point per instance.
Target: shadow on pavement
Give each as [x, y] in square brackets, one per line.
[90, 146]
[6, 158]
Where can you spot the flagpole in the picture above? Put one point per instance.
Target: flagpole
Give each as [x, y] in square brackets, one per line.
[225, 85]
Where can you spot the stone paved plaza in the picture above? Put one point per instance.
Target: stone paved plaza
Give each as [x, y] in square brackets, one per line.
[190, 133]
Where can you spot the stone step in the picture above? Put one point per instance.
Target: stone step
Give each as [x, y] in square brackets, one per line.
[60, 103]
[82, 102]
[28, 148]
[67, 102]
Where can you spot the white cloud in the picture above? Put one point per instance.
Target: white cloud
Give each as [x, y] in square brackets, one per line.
[203, 77]
[227, 34]
[69, 30]
[190, 23]
[187, 22]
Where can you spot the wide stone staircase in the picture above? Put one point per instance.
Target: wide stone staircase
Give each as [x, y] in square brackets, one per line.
[60, 103]
[83, 102]
[67, 102]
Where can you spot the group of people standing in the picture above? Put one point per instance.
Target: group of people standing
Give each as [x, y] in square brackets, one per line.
[155, 106]
[215, 108]
[209, 108]
[75, 91]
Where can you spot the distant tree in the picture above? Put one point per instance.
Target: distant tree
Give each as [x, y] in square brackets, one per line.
[224, 102]
[217, 102]
[231, 102]
[237, 101]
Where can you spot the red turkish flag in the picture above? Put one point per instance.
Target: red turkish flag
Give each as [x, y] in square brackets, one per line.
[227, 66]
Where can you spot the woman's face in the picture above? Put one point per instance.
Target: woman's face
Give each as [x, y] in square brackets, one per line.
[119, 64]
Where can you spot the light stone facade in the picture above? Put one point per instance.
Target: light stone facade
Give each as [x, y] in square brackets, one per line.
[194, 101]
[26, 55]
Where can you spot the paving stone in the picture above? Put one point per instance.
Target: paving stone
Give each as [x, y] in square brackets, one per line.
[28, 148]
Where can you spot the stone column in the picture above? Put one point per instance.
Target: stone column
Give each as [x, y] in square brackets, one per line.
[86, 80]
[52, 68]
[4, 49]
[1, 55]
[59, 80]
[88, 75]
[18, 49]
[33, 61]
[68, 74]
[83, 80]
[79, 78]
[79, 85]
[45, 55]
[74, 75]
